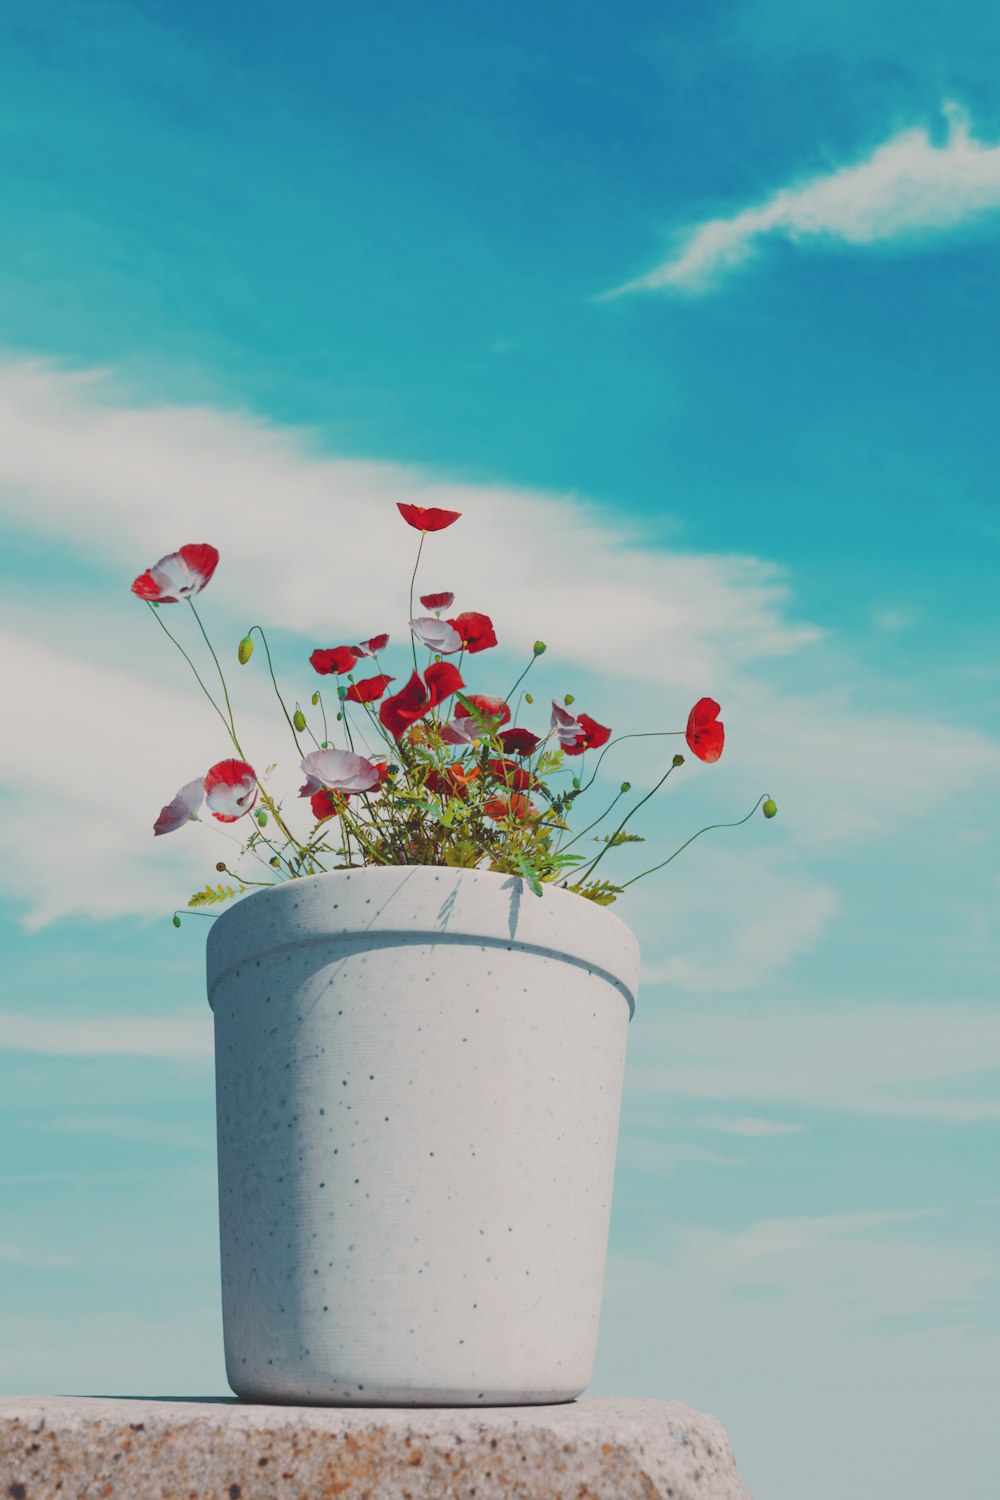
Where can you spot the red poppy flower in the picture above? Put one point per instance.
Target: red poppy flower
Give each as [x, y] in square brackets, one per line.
[437, 601]
[230, 790]
[452, 782]
[372, 647]
[519, 741]
[513, 776]
[326, 804]
[419, 696]
[516, 806]
[592, 736]
[333, 659]
[368, 690]
[494, 708]
[427, 518]
[476, 631]
[704, 734]
[178, 575]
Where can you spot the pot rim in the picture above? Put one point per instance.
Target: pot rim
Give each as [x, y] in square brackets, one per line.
[288, 915]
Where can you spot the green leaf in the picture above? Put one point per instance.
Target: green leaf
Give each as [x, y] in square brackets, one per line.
[600, 891]
[211, 897]
[614, 839]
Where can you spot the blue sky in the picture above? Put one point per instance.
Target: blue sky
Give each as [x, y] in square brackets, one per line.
[264, 272]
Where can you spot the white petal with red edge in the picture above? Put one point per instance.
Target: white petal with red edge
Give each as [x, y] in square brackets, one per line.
[373, 646]
[176, 579]
[436, 635]
[182, 809]
[229, 802]
[338, 771]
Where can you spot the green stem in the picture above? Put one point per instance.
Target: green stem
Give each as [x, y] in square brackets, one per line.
[274, 680]
[523, 675]
[650, 734]
[413, 580]
[229, 730]
[577, 836]
[218, 667]
[585, 874]
[707, 829]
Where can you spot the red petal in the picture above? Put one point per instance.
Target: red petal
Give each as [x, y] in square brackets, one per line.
[704, 734]
[476, 631]
[443, 678]
[519, 741]
[145, 587]
[513, 776]
[427, 518]
[333, 659]
[228, 773]
[201, 557]
[368, 690]
[593, 737]
[323, 805]
[495, 708]
[437, 601]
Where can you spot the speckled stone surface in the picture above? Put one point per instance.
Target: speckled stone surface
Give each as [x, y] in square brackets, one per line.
[418, 1081]
[95, 1448]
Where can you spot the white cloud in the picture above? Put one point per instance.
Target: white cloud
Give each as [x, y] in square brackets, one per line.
[106, 1036]
[111, 723]
[907, 187]
[917, 1060]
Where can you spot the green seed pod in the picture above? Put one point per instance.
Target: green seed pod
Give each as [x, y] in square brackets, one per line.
[245, 650]
[770, 808]
[220, 867]
[678, 760]
[299, 720]
[314, 699]
[626, 786]
[342, 691]
[262, 816]
[539, 648]
[528, 698]
[274, 860]
[569, 699]
[177, 920]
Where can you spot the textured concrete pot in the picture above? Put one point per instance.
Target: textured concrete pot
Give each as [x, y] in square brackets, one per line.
[418, 1079]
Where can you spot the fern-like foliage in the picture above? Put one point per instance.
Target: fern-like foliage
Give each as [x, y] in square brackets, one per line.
[600, 891]
[213, 895]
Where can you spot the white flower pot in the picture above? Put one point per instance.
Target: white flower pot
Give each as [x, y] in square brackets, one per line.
[418, 1076]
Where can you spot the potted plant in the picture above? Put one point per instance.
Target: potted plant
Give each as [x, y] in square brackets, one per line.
[421, 1005]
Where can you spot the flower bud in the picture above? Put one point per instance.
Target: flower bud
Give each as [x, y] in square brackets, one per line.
[626, 786]
[569, 699]
[299, 720]
[342, 692]
[177, 920]
[770, 808]
[245, 650]
[539, 648]
[220, 867]
[314, 699]
[262, 816]
[528, 698]
[274, 860]
[678, 760]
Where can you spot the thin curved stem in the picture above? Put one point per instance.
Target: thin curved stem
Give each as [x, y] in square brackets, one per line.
[707, 829]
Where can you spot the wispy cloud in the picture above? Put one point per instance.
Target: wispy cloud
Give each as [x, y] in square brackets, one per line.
[96, 1036]
[907, 187]
[921, 1061]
